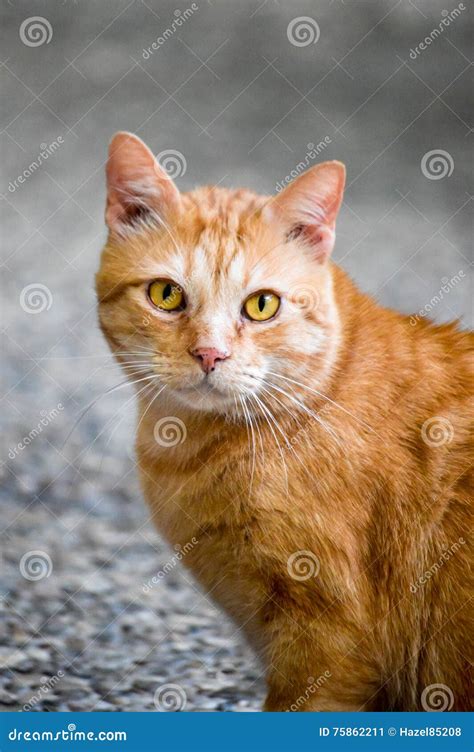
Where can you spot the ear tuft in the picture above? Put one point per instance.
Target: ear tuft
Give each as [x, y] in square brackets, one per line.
[309, 206]
[137, 186]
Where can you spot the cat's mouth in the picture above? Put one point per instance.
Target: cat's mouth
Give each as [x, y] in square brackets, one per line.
[206, 395]
[204, 388]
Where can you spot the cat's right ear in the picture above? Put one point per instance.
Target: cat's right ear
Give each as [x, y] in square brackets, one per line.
[137, 186]
[308, 207]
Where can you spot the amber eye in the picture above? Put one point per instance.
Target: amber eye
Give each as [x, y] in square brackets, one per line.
[262, 306]
[166, 295]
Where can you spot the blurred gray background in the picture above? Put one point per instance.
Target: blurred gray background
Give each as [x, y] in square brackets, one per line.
[240, 90]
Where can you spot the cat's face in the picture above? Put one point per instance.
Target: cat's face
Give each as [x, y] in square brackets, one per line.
[215, 291]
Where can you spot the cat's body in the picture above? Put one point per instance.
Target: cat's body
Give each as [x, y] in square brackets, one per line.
[333, 525]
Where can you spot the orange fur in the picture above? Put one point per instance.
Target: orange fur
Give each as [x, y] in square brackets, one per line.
[361, 487]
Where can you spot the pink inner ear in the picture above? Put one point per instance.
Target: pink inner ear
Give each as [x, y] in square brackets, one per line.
[309, 206]
[136, 184]
[321, 238]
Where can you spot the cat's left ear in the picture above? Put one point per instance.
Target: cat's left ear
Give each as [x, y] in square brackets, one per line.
[309, 206]
[137, 185]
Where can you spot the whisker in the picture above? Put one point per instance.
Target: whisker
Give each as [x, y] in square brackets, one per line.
[257, 426]
[236, 408]
[285, 407]
[149, 405]
[86, 357]
[282, 404]
[324, 396]
[91, 444]
[249, 423]
[96, 400]
[128, 365]
[267, 413]
[308, 411]
[143, 389]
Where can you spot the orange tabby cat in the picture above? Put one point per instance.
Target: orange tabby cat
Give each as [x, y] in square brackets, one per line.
[317, 446]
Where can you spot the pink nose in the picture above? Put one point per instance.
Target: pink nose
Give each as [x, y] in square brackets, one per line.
[207, 357]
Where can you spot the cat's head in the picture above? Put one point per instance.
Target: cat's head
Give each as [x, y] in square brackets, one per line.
[217, 293]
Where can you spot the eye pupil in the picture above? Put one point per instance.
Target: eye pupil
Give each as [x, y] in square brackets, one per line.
[166, 295]
[261, 306]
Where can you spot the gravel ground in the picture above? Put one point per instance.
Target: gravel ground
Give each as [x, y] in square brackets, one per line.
[79, 631]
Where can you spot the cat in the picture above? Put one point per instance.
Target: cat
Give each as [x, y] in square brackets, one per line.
[316, 446]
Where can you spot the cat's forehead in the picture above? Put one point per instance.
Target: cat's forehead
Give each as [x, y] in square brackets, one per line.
[221, 226]
[232, 209]
[223, 246]
[216, 263]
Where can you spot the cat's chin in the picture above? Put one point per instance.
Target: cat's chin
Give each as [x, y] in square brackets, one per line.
[205, 398]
